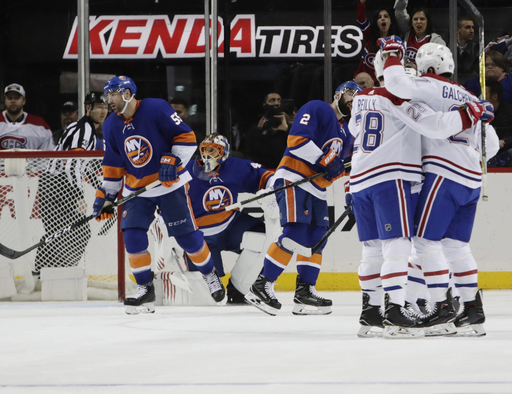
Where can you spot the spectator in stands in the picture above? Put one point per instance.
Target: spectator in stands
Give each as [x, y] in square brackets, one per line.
[19, 129]
[266, 141]
[180, 106]
[502, 123]
[503, 45]
[364, 80]
[67, 176]
[68, 115]
[383, 24]
[415, 31]
[467, 49]
[495, 66]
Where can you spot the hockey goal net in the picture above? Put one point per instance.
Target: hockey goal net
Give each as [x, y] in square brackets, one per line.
[44, 192]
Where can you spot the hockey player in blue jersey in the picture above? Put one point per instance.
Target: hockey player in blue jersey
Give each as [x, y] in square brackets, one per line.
[217, 179]
[316, 143]
[145, 141]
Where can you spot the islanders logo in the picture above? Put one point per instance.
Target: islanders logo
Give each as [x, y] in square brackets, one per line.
[336, 144]
[216, 198]
[139, 150]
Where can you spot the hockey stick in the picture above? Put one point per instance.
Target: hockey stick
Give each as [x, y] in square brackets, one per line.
[263, 195]
[308, 252]
[13, 254]
[483, 133]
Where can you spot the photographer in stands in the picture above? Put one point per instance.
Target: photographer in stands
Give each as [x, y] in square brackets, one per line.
[266, 142]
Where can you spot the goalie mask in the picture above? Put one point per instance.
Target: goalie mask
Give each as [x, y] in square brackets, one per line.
[214, 151]
[347, 87]
[437, 56]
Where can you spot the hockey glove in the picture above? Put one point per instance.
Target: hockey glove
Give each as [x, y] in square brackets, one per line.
[333, 165]
[479, 110]
[102, 208]
[169, 164]
[392, 44]
[348, 197]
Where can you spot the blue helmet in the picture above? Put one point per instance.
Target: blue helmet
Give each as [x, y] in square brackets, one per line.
[119, 84]
[349, 85]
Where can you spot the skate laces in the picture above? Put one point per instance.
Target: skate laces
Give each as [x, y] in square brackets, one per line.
[412, 312]
[313, 292]
[141, 291]
[269, 289]
[213, 282]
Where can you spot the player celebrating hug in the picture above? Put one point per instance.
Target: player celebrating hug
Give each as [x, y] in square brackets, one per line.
[316, 144]
[447, 203]
[145, 141]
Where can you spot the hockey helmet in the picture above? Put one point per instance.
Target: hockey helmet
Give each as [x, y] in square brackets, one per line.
[436, 56]
[119, 84]
[95, 97]
[214, 151]
[378, 64]
[349, 85]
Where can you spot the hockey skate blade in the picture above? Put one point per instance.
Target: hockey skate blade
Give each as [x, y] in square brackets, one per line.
[253, 300]
[396, 332]
[303, 310]
[144, 308]
[472, 330]
[370, 332]
[446, 329]
[293, 246]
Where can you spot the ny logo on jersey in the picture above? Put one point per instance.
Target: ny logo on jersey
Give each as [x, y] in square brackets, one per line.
[336, 144]
[216, 198]
[139, 150]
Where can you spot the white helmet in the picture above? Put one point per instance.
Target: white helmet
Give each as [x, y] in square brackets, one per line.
[436, 56]
[378, 64]
[214, 151]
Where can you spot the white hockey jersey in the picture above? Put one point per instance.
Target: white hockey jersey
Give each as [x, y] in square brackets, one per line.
[388, 134]
[31, 133]
[458, 157]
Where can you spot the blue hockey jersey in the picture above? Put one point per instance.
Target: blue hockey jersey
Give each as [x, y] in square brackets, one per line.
[211, 192]
[133, 147]
[314, 131]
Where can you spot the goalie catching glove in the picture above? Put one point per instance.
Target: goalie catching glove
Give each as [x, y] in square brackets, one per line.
[333, 165]
[102, 208]
[479, 110]
[169, 164]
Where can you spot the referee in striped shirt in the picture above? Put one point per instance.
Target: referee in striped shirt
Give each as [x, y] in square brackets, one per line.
[61, 187]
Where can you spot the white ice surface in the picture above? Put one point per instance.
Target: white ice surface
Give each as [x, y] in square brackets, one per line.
[94, 347]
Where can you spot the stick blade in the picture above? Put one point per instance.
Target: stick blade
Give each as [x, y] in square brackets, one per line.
[9, 253]
[295, 247]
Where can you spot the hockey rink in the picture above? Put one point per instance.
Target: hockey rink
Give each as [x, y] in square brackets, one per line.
[94, 347]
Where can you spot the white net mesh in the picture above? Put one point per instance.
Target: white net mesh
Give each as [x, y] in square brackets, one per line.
[42, 195]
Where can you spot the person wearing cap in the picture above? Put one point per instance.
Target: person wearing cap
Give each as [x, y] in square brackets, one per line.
[19, 129]
[68, 115]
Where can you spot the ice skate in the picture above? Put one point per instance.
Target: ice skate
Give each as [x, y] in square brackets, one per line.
[215, 285]
[308, 302]
[470, 322]
[142, 302]
[370, 320]
[262, 296]
[234, 296]
[399, 322]
[439, 321]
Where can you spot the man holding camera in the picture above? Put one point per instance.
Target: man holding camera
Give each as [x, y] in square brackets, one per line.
[266, 142]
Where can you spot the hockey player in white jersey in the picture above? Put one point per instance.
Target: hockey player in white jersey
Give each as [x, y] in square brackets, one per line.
[447, 203]
[386, 161]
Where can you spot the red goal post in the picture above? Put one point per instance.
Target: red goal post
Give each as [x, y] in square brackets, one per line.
[42, 192]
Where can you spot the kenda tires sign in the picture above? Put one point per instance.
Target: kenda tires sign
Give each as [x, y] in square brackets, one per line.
[146, 37]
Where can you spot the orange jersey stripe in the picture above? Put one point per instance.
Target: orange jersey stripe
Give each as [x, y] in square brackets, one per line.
[279, 254]
[290, 203]
[215, 218]
[303, 169]
[139, 260]
[316, 258]
[295, 140]
[113, 172]
[135, 183]
[201, 256]
[189, 203]
[264, 179]
[188, 138]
